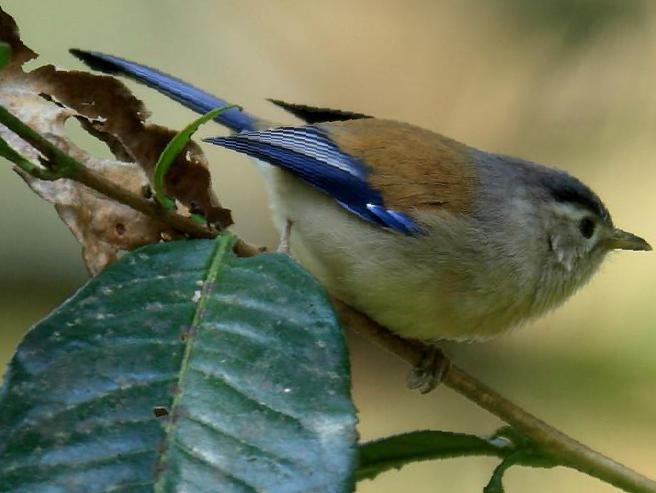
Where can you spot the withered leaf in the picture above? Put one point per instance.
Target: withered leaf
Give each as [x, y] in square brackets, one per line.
[45, 98]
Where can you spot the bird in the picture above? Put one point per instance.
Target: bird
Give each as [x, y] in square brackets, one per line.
[432, 238]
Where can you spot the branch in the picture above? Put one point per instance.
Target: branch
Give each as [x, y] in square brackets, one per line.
[149, 207]
[567, 450]
[60, 165]
[563, 448]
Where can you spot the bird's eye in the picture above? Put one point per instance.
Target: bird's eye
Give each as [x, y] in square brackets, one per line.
[587, 227]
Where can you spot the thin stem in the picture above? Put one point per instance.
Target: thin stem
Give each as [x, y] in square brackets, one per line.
[61, 165]
[565, 449]
[56, 160]
[146, 206]
[58, 164]
[24, 164]
[573, 453]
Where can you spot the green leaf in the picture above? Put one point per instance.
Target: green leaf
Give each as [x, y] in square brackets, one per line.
[175, 147]
[397, 451]
[182, 368]
[5, 54]
[495, 485]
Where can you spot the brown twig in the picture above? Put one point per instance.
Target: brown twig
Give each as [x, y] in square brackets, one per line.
[567, 450]
[58, 164]
[146, 206]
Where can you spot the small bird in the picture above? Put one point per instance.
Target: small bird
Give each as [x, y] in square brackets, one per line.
[431, 238]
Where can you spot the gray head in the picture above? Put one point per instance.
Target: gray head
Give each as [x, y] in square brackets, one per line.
[579, 227]
[579, 233]
[575, 221]
[550, 226]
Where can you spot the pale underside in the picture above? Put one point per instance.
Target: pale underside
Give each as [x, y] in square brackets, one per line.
[435, 286]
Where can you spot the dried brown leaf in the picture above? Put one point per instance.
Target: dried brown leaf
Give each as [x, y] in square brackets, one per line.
[45, 98]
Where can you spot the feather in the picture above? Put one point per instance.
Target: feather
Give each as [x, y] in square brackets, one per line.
[414, 169]
[314, 114]
[310, 154]
[179, 90]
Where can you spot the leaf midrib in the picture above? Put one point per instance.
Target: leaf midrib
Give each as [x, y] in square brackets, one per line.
[223, 243]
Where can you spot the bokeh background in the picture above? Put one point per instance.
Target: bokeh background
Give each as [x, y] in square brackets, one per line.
[566, 82]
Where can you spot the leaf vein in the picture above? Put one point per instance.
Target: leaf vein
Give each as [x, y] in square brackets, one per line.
[215, 428]
[258, 403]
[213, 465]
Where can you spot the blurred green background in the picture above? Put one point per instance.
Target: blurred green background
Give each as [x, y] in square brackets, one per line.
[565, 82]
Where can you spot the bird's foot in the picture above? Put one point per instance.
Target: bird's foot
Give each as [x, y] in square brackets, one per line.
[283, 246]
[430, 371]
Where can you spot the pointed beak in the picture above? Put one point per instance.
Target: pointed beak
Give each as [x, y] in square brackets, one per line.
[622, 240]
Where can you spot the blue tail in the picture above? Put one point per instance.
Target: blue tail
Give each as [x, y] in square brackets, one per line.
[186, 94]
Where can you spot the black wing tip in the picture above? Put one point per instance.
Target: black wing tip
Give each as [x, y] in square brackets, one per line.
[314, 114]
[95, 60]
[76, 52]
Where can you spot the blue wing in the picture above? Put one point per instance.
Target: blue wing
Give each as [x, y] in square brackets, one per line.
[179, 90]
[309, 153]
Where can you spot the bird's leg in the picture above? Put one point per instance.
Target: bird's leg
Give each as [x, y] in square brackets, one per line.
[283, 246]
[429, 372]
